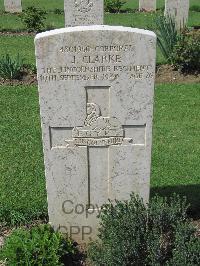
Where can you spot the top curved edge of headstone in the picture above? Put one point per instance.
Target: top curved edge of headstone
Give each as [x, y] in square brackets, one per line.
[92, 28]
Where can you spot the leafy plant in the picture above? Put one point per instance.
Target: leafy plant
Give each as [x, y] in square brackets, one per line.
[195, 8]
[33, 18]
[186, 53]
[132, 233]
[11, 68]
[39, 246]
[58, 11]
[187, 247]
[31, 68]
[113, 6]
[168, 35]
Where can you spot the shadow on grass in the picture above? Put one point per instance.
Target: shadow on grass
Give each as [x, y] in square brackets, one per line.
[192, 193]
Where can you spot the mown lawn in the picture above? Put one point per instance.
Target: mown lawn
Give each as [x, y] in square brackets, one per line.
[138, 19]
[24, 44]
[22, 183]
[176, 142]
[51, 5]
[175, 157]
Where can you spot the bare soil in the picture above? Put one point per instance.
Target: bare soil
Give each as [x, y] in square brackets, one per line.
[197, 225]
[167, 74]
[26, 79]
[16, 33]
[3, 234]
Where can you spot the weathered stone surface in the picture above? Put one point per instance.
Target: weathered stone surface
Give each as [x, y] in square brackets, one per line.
[83, 12]
[13, 6]
[178, 9]
[96, 86]
[147, 5]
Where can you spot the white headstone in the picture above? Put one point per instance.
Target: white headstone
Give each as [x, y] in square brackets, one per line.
[179, 10]
[83, 12]
[13, 6]
[96, 87]
[147, 5]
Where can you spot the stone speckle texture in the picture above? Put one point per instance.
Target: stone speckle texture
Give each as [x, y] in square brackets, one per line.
[13, 6]
[96, 87]
[83, 12]
[178, 9]
[147, 5]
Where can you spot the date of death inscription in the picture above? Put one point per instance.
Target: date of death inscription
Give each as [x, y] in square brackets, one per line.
[108, 72]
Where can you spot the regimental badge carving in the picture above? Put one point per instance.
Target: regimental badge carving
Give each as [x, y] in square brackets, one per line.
[98, 130]
[83, 5]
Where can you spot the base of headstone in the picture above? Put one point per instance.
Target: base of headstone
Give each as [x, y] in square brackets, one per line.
[177, 10]
[147, 5]
[13, 6]
[83, 13]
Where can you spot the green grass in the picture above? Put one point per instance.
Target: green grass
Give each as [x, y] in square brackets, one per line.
[134, 4]
[175, 159]
[22, 182]
[24, 45]
[51, 5]
[44, 4]
[176, 146]
[138, 19]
